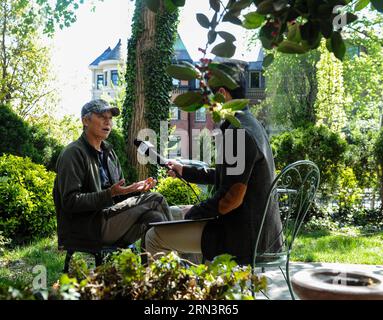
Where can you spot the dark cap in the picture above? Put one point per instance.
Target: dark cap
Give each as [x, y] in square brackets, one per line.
[99, 106]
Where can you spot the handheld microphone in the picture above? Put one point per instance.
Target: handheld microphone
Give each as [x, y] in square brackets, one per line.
[145, 148]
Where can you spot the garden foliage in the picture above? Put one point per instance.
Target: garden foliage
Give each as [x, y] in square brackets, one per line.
[26, 203]
[168, 278]
[177, 192]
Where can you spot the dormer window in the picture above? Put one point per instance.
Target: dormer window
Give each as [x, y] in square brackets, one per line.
[114, 77]
[256, 80]
[100, 81]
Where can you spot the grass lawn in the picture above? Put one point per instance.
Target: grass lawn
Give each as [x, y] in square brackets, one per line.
[321, 246]
[341, 247]
[16, 266]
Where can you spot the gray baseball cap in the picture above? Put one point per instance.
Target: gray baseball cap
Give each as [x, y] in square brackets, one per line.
[99, 106]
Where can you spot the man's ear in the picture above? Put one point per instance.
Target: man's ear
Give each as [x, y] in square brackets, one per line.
[85, 121]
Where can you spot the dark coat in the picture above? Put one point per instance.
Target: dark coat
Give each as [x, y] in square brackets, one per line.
[78, 195]
[239, 199]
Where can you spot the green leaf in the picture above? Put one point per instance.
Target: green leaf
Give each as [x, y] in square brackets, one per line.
[188, 99]
[228, 37]
[179, 3]
[170, 6]
[253, 20]
[378, 5]
[224, 68]
[338, 46]
[233, 120]
[203, 20]
[192, 108]
[182, 72]
[222, 79]
[287, 46]
[215, 5]
[266, 37]
[265, 7]
[216, 117]
[351, 17]
[211, 36]
[153, 5]
[361, 5]
[224, 49]
[236, 104]
[268, 60]
[293, 33]
[229, 17]
[218, 97]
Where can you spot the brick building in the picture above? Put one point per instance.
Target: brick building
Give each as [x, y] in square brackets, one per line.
[188, 127]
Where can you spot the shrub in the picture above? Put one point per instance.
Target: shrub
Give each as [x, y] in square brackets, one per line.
[168, 278]
[349, 194]
[316, 143]
[25, 140]
[177, 192]
[26, 203]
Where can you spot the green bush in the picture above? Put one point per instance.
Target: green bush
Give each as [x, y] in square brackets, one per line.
[176, 192]
[26, 203]
[168, 278]
[316, 143]
[22, 139]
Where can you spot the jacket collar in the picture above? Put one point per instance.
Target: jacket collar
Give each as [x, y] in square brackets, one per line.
[105, 146]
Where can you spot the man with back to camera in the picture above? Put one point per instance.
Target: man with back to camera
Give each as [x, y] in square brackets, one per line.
[93, 206]
[239, 199]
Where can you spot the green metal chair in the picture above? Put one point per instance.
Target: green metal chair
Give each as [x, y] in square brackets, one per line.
[293, 191]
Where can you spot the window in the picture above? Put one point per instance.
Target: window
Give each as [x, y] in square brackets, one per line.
[100, 81]
[105, 78]
[184, 83]
[176, 82]
[114, 76]
[174, 147]
[200, 115]
[255, 79]
[174, 113]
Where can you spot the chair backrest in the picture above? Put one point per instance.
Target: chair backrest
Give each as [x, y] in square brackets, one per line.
[293, 191]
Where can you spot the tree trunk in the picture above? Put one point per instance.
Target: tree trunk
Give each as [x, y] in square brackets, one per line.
[145, 42]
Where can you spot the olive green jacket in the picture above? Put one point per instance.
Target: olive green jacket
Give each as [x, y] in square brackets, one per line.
[78, 195]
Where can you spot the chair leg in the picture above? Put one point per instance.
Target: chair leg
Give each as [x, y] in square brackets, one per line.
[288, 282]
[68, 257]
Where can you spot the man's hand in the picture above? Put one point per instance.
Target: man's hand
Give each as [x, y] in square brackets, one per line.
[174, 166]
[141, 186]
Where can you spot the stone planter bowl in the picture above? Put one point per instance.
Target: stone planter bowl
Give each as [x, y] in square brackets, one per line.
[336, 284]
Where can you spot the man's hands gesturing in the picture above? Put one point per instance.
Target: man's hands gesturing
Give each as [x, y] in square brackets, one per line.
[141, 186]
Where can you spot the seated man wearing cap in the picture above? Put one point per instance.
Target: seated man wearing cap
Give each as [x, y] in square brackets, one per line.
[94, 208]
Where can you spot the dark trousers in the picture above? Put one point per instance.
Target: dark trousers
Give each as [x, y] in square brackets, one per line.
[127, 221]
